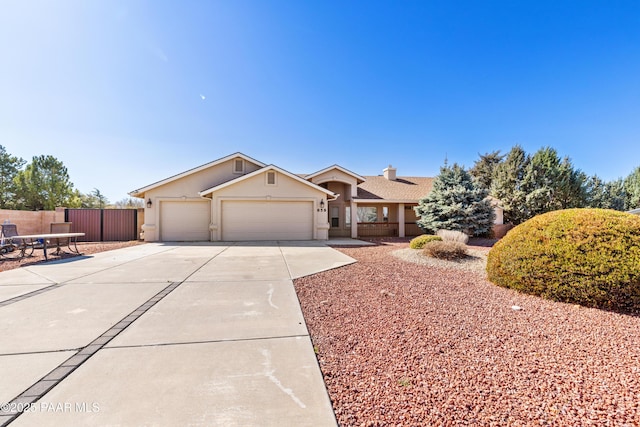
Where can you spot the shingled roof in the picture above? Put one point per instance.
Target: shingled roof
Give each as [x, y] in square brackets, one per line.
[402, 189]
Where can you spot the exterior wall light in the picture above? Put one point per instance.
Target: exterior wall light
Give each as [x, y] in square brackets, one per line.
[149, 202]
[322, 204]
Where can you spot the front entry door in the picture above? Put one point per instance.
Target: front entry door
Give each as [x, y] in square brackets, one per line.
[336, 228]
[334, 221]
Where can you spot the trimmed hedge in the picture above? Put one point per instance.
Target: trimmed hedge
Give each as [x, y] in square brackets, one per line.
[420, 241]
[589, 257]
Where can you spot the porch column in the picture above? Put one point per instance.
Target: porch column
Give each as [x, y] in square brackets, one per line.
[354, 220]
[400, 219]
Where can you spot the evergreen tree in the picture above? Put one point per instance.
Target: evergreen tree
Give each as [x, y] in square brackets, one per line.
[9, 168]
[551, 184]
[457, 203]
[44, 184]
[571, 189]
[605, 195]
[483, 169]
[596, 192]
[632, 190]
[506, 185]
[94, 200]
[615, 195]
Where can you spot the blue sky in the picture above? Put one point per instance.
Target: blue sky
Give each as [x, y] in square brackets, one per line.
[127, 92]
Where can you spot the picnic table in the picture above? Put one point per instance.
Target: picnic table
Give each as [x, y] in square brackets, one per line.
[40, 241]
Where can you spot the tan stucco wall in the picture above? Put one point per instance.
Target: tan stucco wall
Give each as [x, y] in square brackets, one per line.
[187, 188]
[256, 188]
[350, 190]
[32, 222]
[340, 188]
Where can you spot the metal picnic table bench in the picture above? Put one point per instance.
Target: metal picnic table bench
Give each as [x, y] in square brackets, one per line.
[40, 241]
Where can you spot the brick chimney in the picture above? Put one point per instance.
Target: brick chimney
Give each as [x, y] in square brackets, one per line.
[390, 173]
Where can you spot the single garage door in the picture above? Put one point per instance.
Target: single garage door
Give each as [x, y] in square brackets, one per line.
[185, 221]
[253, 220]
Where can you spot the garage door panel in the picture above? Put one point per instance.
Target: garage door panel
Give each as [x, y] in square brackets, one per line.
[185, 221]
[253, 220]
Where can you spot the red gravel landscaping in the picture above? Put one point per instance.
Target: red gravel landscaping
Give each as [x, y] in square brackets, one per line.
[403, 344]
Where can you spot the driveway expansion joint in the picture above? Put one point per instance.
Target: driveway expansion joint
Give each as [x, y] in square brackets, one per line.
[30, 294]
[14, 408]
[57, 285]
[225, 340]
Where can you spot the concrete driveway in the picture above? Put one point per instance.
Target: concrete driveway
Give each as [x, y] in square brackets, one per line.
[163, 334]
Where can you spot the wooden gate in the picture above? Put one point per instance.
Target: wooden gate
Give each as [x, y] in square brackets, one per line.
[104, 225]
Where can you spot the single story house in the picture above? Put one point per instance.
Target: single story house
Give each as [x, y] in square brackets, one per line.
[238, 198]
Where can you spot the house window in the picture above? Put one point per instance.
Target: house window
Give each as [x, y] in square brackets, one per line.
[385, 213]
[335, 219]
[367, 214]
[347, 216]
[271, 178]
[238, 166]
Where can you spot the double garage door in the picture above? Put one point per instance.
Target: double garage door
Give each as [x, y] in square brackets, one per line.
[266, 220]
[241, 220]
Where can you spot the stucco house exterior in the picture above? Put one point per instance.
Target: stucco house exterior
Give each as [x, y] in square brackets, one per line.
[238, 198]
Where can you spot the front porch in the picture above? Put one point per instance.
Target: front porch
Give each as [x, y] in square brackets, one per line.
[381, 208]
[387, 229]
[372, 220]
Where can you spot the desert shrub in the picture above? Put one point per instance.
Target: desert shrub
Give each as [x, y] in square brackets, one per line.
[584, 256]
[420, 241]
[453, 236]
[448, 250]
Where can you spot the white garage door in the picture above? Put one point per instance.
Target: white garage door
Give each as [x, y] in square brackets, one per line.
[186, 221]
[251, 220]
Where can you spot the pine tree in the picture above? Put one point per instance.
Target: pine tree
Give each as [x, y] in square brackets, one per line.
[632, 190]
[483, 170]
[615, 195]
[457, 203]
[551, 184]
[44, 184]
[507, 185]
[9, 169]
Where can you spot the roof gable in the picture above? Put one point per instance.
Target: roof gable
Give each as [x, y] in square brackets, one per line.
[330, 194]
[357, 177]
[140, 192]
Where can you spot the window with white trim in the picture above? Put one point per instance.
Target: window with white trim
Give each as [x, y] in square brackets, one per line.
[335, 216]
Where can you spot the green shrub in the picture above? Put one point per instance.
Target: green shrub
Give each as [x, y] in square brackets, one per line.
[584, 256]
[453, 236]
[448, 250]
[420, 241]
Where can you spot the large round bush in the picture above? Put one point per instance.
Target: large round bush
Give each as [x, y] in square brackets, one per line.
[584, 256]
